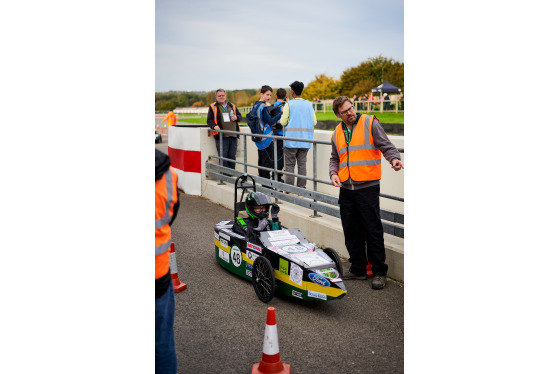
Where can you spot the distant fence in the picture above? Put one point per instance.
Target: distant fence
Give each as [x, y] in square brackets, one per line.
[391, 105]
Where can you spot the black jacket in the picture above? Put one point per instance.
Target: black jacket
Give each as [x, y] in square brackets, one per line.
[210, 117]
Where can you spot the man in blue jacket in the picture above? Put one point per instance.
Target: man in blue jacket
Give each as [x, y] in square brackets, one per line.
[299, 120]
[265, 146]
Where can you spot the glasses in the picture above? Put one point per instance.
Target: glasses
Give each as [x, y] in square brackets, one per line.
[345, 112]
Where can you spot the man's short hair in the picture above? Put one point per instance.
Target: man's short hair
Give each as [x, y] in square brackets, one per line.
[220, 90]
[266, 88]
[281, 93]
[297, 87]
[338, 102]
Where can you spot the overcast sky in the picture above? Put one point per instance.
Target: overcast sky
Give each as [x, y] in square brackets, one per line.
[204, 45]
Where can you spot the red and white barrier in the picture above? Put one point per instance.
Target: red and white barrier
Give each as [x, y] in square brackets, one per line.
[184, 152]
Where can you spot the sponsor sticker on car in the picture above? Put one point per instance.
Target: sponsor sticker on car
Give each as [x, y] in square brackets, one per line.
[317, 295]
[226, 237]
[297, 294]
[223, 255]
[296, 274]
[251, 255]
[254, 247]
[319, 279]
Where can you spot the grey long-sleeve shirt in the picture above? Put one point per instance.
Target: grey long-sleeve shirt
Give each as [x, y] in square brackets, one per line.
[380, 139]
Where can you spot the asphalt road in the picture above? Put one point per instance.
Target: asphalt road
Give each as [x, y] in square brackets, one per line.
[220, 322]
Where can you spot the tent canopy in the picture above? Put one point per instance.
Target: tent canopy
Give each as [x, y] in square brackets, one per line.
[386, 87]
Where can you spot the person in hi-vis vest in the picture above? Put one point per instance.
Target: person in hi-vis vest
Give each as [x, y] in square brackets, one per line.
[358, 142]
[299, 120]
[166, 207]
[223, 115]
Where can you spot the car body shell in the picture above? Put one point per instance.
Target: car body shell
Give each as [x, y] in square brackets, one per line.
[301, 270]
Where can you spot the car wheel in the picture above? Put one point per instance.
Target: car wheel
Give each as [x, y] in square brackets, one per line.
[263, 279]
[334, 256]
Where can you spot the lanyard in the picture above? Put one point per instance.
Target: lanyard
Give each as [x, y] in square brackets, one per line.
[347, 133]
[224, 107]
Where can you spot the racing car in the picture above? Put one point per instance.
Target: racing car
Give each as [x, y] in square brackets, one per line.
[282, 260]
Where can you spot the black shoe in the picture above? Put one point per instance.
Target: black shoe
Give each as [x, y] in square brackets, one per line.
[349, 275]
[378, 282]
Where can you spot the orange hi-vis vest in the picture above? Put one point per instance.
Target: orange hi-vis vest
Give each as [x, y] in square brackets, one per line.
[166, 198]
[215, 110]
[171, 118]
[361, 159]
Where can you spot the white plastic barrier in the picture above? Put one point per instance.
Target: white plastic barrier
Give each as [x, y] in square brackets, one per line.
[184, 152]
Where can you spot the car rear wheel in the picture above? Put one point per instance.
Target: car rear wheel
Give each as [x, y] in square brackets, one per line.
[263, 279]
[334, 256]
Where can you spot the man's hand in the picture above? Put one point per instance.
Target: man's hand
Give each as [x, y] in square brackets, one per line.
[397, 165]
[335, 180]
[216, 127]
[234, 118]
[274, 210]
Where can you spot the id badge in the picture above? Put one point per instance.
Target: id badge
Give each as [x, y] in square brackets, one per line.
[226, 117]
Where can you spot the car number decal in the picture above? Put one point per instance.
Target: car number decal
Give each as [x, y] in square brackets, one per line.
[236, 258]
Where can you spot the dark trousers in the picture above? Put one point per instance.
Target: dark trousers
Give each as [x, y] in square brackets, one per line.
[230, 149]
[361, 223]
[266, 159]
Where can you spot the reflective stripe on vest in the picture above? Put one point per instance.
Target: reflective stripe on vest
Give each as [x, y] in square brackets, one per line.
[165, 189]
[361, 159]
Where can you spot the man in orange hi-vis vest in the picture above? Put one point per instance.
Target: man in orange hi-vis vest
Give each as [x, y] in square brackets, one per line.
[171, 118]
[355, 165]
[167, 205]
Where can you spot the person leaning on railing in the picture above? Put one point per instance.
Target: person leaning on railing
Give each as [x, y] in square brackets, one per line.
[355, 165]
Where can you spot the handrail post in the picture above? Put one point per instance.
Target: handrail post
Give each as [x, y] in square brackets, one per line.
[275, 166]
[315, 177]
[245, 153]
[221, 154]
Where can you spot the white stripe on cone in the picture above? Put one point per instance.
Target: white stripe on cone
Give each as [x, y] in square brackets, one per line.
[270, 344]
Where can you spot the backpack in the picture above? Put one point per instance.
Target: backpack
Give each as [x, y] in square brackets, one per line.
[254, 122]
[275, 110]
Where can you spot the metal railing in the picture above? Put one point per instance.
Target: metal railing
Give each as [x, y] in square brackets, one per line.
[315, 200]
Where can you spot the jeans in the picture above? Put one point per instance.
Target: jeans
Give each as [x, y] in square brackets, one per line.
[361, 221]
[166, 358]
[230, 149]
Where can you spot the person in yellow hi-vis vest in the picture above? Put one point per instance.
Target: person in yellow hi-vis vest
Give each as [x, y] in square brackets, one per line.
[358, 142]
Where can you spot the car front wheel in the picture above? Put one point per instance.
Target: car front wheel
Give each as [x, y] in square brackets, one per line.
[263, 279]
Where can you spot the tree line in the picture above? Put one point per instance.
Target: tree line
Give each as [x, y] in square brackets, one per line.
[357, 80]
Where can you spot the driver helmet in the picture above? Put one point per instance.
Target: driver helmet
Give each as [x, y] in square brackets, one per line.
[257, 199]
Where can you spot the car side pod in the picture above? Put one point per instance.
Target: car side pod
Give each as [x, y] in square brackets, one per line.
[178, 286]
[270, 361]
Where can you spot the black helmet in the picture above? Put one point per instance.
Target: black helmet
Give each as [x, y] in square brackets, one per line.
[255, 199]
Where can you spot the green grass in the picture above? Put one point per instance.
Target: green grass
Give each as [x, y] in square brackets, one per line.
[385, 117]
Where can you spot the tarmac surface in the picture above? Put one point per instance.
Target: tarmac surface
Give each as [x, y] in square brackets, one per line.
[220, 322]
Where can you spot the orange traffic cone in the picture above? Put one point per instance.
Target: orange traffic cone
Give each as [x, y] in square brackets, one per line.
[178, 286]
[270, 361]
